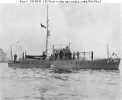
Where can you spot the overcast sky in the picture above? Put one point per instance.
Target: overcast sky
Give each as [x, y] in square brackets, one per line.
[88, 27]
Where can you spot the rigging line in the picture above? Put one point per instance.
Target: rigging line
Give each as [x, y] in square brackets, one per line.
[39, 42]
[23, 37]
[15, 43]
[19, 40]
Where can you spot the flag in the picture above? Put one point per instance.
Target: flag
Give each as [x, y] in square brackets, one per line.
[48, 34]
[43, 25]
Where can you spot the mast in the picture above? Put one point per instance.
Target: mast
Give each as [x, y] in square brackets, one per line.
[47, 33]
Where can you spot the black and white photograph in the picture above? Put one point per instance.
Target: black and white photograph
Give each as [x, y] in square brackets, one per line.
[60, 50]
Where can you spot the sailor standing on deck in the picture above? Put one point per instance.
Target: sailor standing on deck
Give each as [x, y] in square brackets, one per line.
[73, 55]
[63, 54]
[66, 54]
[44, 55]
[23, 55]
[70, 55]
[56, 55]
[15, 57]
[60, 54]
[78, 55]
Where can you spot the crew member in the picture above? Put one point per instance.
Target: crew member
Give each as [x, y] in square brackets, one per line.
[15, 57]
[56, 55]
[60, 54]
[70, 55]
[51, 57]
[63, 54]
[23, 55]
[78, 55]
[73, 55]
[44, 55]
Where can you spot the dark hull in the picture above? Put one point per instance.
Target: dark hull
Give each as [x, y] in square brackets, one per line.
[91, 64]
[31, 64]
[94, 64]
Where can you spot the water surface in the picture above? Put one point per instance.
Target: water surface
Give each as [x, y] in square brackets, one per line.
[45, 84]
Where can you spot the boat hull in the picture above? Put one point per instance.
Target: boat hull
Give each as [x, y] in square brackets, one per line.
[94, 64]
[69, 64]
[31, 64]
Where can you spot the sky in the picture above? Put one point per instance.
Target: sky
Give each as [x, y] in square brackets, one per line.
[88, 27]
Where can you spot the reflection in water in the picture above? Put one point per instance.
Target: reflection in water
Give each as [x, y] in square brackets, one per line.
[45, 84]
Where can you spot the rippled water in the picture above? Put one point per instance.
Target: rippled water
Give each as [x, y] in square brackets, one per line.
[39, 84]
